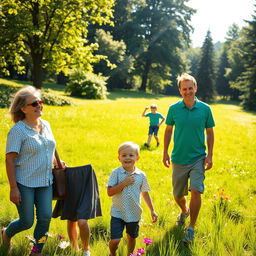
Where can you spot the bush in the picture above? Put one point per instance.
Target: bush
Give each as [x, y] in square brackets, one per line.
[51, 98]
[8, 88]
[88, 85]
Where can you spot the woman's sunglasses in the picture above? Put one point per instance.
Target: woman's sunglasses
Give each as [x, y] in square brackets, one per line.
[35, 103]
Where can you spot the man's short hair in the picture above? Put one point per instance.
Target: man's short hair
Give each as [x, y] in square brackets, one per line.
[129, 144]
[186, 77]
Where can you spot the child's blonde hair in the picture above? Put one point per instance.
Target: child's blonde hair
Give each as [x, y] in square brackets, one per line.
[129, 144]
[186, 77]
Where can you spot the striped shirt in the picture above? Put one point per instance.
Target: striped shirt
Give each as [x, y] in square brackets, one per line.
[126, 204]
[33, 166]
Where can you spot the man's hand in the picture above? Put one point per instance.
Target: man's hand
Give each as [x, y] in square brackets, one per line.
[207, 163]
[166, 160]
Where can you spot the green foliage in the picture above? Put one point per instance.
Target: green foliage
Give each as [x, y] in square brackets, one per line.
[206, 71]
[53, 34]
[118, 66]
[51, 98]
[155, 33]
[222, 83]
[9, 88]
[247, 79]
[89, 85]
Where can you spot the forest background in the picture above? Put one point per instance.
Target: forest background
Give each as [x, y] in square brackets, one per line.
[139, 45]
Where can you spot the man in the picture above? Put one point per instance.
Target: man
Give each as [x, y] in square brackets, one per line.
[191, 117]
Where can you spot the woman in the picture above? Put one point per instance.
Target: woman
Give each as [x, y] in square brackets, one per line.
[29, 158]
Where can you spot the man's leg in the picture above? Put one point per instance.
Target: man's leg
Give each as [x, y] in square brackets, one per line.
[182, 204]
[195, 205]
[131, 242]
[84, 234]
[73, 234]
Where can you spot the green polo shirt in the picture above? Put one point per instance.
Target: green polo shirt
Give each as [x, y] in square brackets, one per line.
[189, 132]
[154, 118]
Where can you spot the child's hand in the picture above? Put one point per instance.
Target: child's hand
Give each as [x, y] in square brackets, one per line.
[154, 216]
[147, 107]
[129, 180]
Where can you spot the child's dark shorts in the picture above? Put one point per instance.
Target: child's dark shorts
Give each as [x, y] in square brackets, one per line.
[117, 227]
[153, 129]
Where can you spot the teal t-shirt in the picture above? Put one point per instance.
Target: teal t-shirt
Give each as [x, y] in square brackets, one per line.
[189, 132]
[154, 118]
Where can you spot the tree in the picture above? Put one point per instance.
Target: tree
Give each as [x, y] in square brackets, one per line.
[222, 83]
[117, 65]
[206, 71]
[52, 32]
[235, 62]
[247, 80]
[161, 28]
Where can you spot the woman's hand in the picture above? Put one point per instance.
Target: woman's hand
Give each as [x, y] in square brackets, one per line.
[15, 196]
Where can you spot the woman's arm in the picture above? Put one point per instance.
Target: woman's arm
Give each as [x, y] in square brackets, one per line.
[10, 169]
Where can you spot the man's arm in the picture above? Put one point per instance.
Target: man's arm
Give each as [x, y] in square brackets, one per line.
[143, 113]
[149, 203]
[167, 140]
[210, 143]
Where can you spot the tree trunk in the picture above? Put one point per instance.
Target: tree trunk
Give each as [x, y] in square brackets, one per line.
[145, 76]
[37, 74]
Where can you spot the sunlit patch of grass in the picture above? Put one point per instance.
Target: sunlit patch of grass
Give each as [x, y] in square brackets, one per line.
[90, 133]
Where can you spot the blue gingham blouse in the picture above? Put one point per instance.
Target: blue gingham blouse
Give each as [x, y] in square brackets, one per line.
[33, 167]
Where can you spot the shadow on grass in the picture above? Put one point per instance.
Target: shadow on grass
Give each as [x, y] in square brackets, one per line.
[144, 148]
[170, 245]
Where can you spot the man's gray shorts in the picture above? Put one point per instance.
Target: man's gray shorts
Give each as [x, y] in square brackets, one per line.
[182, 173]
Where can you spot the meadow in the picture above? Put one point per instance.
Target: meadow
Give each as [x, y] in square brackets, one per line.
[90, 133]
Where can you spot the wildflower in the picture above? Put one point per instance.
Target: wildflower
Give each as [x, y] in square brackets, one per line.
[31, 238]
[64, 244]
[147, 241]
[222, 192]
[49, 234]
[134, 254]
[141, 251]
[42, 240]
[60, 237]
[35, 249]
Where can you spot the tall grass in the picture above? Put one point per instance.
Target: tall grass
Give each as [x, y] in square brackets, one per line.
[91, 132]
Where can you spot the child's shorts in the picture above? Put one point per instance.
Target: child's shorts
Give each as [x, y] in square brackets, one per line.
[153, 129]
[117, 227]
[181, 174]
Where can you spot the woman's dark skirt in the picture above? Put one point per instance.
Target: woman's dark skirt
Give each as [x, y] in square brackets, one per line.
[82, 201]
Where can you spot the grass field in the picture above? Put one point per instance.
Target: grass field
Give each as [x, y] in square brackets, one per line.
[91, 132]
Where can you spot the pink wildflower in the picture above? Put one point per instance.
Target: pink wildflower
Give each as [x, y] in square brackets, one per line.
[141, 251]
[134, 254]
[60, 237]
[147, 241]
[35, 249]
